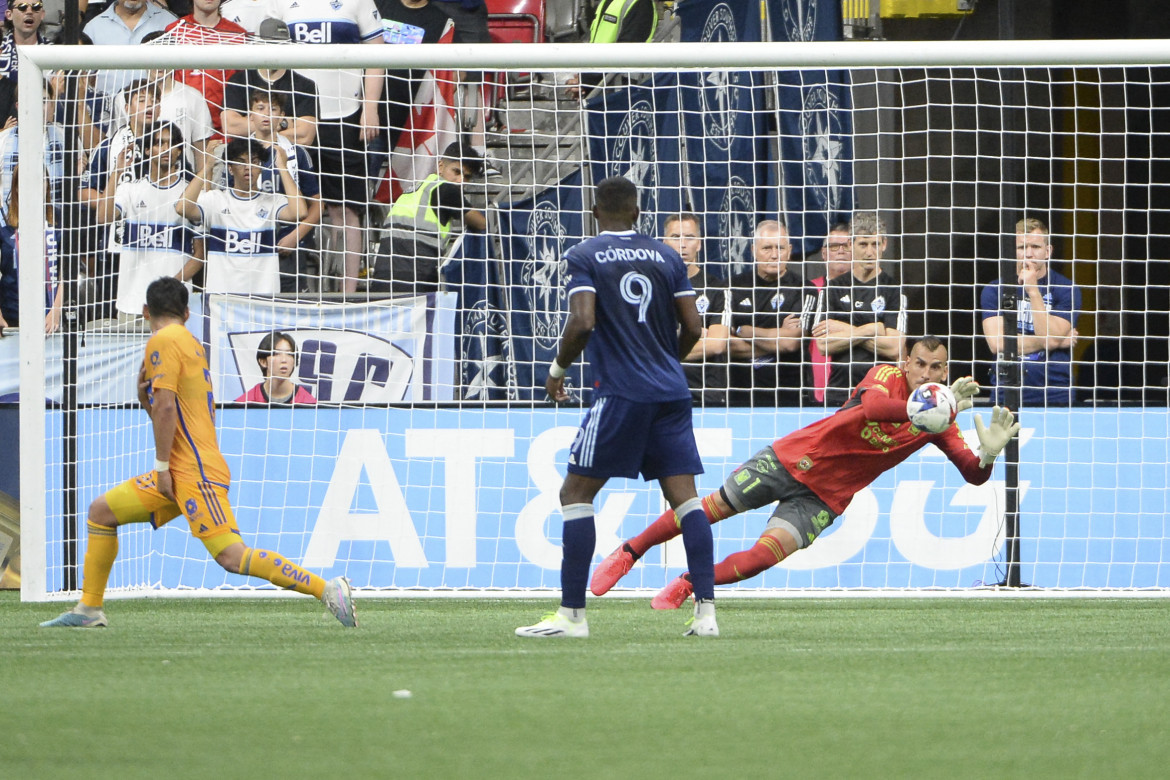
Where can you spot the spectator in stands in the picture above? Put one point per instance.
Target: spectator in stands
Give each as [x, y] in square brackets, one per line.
[862, 316]
[297, 93]
[185, 107]
[124, 22]
[54, 154]
[407, 21]
[348, 117]
[54, 24]
[206, 25]
[81, 105]
[179, 8]
[141, 101]
[151, 238]
[767, 307]
[706, 364]
[240, 222]
[248, 14]
[277, 358]
[10, 264]
[470, 18]
[23, 26]
[418, 227]
[294, 241]
[837, 255]
[1048, 303]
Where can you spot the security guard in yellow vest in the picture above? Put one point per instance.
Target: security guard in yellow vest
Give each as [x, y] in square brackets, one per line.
[417, 228]
[624, 21]
[616, 21]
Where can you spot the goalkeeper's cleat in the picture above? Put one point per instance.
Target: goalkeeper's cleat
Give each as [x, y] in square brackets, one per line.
[338, 599]
[615, 566]
[703, 622]
[78, 617]
[555, 624]
[674, 594]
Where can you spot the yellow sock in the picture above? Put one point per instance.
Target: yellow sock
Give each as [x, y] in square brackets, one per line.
[281, 572]
[100, 551]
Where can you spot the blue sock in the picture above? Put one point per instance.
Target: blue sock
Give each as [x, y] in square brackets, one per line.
[697, 539]
[579, 539]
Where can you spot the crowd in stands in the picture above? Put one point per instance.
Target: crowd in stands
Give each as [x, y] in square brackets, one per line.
[260, 182]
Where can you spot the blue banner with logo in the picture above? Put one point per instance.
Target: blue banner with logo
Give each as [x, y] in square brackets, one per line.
[624, 137]
[813, 107]
[725, 152]
[377, 352]
[536, 233]
[487, 361]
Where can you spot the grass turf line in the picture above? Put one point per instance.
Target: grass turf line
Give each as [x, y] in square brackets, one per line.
[885, 688]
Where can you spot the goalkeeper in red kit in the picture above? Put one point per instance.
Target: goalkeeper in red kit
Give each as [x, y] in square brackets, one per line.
[812, 474]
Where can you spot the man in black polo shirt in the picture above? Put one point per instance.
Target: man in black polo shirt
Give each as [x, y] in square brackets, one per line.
[706, 364]
[861, 318]
[768, 307]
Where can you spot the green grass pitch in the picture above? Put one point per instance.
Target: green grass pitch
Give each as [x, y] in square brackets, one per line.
[253, 688]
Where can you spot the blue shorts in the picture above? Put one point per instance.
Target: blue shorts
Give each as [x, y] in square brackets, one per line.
[619, 438]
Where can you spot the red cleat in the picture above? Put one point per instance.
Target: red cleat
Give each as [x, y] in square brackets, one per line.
[615, 566]
[674, 594]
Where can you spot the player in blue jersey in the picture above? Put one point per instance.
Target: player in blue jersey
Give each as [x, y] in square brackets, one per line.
[628, 295]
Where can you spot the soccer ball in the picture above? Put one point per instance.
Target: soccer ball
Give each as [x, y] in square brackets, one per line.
[932, 407]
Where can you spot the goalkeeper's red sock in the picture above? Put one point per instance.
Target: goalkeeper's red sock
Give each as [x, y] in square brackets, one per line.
[281, 572]
[666, 527]
[763, 555]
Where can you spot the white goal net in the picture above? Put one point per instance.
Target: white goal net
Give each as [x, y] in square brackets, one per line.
[407, 251]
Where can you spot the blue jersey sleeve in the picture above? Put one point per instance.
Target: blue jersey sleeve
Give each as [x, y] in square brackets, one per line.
[578, 272]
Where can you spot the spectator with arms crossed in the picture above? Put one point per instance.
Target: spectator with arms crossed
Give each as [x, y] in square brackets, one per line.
[628, 295]
[862, 315]
[1047, 310]
[812, 474]
[189, 478]
[768, 306]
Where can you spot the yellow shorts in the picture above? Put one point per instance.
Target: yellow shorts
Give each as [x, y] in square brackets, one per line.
[205, 505]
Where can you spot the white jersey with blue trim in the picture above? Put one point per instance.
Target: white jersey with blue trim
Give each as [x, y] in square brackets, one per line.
[241, 241]
[332, 21]
[634, 346]
[151, 238]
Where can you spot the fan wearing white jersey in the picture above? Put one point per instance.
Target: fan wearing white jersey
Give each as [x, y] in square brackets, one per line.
[150, 238]
[240, 223]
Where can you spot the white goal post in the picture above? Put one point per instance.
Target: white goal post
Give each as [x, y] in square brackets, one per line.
[450, 486]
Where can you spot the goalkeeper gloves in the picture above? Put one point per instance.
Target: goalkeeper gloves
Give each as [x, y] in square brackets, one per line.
[964, 390]
[995, 437]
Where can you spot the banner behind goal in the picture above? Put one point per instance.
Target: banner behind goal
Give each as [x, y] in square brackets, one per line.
[418, 451]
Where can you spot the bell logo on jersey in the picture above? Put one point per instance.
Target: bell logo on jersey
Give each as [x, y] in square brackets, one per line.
[304, 32]
[237, 243]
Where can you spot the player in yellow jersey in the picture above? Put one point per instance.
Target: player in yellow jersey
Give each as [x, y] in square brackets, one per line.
[190, 476]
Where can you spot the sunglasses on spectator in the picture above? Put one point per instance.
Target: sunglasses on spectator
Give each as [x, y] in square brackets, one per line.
[23, 7]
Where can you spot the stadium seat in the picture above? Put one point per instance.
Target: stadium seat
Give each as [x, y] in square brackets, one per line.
[512, 21]
[516, 21]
